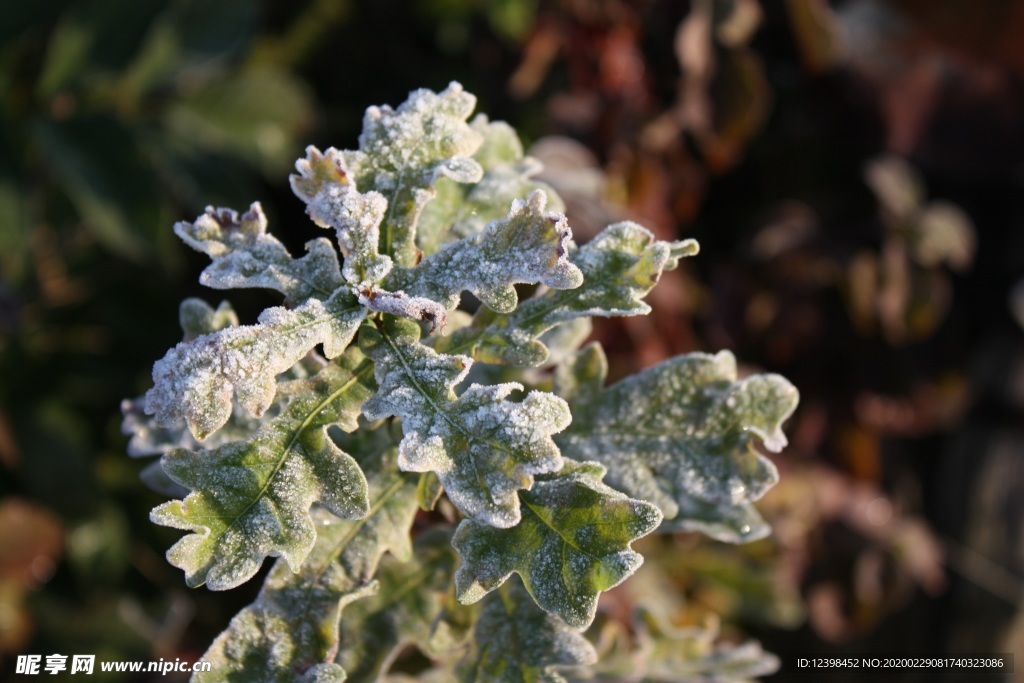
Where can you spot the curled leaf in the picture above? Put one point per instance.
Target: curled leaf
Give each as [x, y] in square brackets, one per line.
[323, 183]
[404, 151]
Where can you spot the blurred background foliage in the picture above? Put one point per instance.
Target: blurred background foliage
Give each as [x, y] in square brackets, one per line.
[853, 170]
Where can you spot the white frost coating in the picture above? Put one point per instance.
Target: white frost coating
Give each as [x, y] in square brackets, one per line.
[333, 201]
[403, 152]
[425, 138]
[405, 306]
[356, 218]
[244, 255]
[483, 448]
[529, 246]
[680, 435]
[619, 266]
[195, 380]
[573, 544]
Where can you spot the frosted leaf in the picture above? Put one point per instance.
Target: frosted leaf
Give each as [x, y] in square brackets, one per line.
[403, 152]
[684, 429]
[251, 499]
[460, 210]
[517, 642]
[528, 246]
[244, 255]
[149, 438]
[573, 543]
[196, 380]
[482, 447]
[333, 201]
[620, 266]
[293, 624]
[411, 607]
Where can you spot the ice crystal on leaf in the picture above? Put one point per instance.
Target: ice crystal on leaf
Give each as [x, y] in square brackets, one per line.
[245, 256]
[481, 446]
[619, 267]
[293, 625]
[681, 434]
[320, 433]
[462, 209]
[528, 246]
[252, 498]
[403, 152]
[571, 544]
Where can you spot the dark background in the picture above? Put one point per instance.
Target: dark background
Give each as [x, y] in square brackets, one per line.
[898, 518]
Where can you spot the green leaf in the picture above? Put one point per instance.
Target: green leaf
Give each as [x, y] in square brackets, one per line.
[245, 256]
[682, 434]
[403, 152]
[196, 379]
[409, 607]
[573, 543]
[620, 266]
[460, 210]
[251, 499]
[517, 642]
[294, 623]
[528, 246]
[482, 447]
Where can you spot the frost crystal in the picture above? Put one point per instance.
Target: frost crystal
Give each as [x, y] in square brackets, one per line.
[244, 255]
[482, 447]
[403, 152]
[293, 625]
[462, 209]
[323, 183]
[572, 544]
[528, 246]
[252, 498]
[195, 381]
[619, 266]
[681, 435]
[283, 439]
